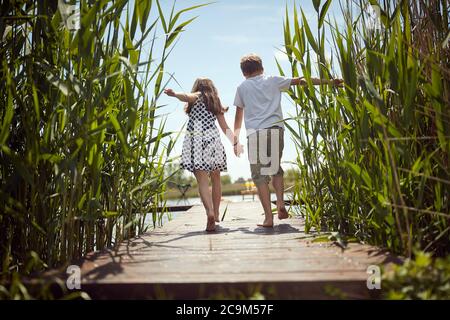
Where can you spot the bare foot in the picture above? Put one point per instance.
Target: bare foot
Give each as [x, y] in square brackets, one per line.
[216, 217]
[266, 224]
[282, 213]
[211, 225]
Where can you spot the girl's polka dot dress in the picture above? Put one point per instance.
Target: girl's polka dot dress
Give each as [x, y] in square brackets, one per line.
[202, 148]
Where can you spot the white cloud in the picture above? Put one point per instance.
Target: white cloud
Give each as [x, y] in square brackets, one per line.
[231, 39]
[238, 39]
[245, 7]
[264, 20]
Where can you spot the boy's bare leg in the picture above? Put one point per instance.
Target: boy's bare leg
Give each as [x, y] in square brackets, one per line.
[205, 195]
[264, 197]
[278, 185]
[216, 193]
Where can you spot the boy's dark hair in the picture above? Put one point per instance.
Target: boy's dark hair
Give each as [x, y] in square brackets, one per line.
[251, 63]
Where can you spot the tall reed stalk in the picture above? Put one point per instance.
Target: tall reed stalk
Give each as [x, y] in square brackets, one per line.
[374, 155]
[83, 144]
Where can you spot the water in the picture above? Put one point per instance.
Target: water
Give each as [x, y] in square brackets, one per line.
[197, 201]
[235, 198]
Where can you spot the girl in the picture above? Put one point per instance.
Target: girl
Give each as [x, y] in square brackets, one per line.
[203, 152]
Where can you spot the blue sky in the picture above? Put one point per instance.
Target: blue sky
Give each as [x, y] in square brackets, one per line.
[212, 46]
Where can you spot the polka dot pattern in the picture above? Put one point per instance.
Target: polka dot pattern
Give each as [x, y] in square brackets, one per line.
[202, 148]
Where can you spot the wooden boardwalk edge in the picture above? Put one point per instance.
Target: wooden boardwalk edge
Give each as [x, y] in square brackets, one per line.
[240, 260]
[303, 290]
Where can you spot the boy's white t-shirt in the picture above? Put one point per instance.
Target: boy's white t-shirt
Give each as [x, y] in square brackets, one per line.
[260, 97]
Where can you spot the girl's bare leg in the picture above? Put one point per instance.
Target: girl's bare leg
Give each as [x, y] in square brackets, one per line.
[205, 195]
[216, 193]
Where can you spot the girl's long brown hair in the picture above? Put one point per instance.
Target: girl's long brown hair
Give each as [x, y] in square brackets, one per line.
[210, 96]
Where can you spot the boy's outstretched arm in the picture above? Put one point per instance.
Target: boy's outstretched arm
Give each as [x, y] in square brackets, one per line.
[316, 81]
[237, 129]
[185, 97]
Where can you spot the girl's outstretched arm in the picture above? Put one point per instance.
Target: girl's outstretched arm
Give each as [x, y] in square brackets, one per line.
[185, 97]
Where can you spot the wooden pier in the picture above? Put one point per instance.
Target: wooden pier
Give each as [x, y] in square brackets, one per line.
[239, 260]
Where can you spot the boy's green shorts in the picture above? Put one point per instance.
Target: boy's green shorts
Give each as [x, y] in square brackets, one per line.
[265, 149]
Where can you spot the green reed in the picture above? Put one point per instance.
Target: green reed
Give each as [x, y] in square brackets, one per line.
[83, 144]
[374, 155]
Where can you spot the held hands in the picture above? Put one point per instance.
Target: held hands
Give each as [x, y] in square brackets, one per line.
[169, 92]
[238, 149]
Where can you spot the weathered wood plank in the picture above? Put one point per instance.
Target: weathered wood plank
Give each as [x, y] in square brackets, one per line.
[180, 260]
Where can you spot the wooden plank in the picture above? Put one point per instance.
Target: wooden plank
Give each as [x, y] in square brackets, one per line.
[180, 260]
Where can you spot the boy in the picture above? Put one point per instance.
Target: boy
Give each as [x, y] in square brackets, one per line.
[260, 96]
